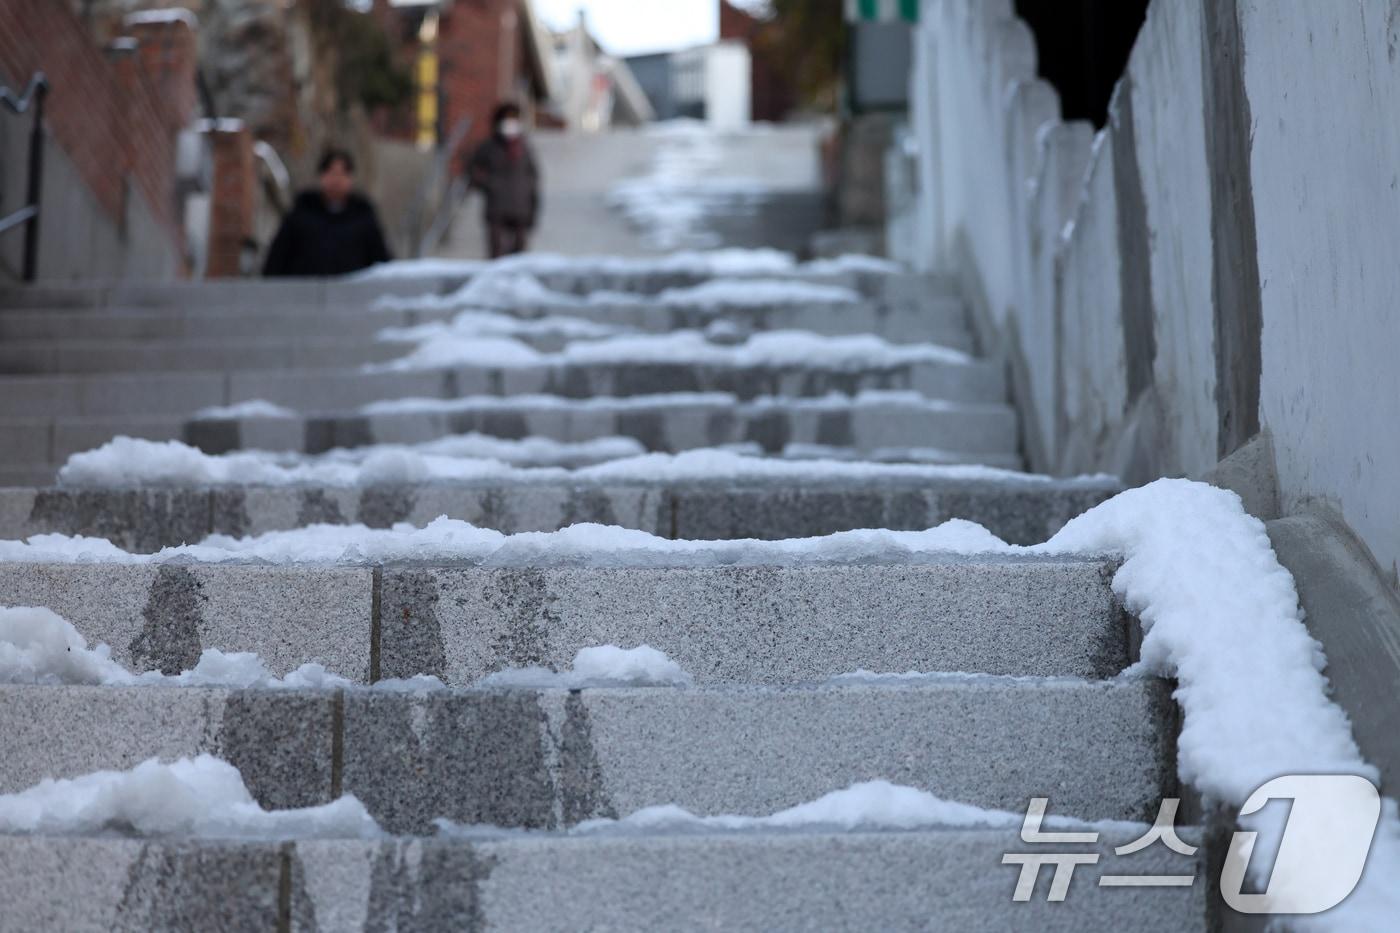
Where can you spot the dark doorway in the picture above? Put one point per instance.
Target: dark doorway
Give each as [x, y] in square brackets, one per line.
[1083, 47]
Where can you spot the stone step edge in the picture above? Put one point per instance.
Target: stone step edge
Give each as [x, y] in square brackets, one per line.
[625, 748]
[775, 881]
[461, 622]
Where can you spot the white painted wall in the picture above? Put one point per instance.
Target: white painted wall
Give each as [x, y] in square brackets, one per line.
[728, 86]
[1020, 206]
[1324, 85]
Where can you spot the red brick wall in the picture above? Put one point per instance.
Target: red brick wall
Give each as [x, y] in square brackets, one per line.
[469, 47]
[774, 97]
[231, 206]
[114, 123]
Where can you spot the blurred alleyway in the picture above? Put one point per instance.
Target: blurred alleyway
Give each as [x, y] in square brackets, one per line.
[674, 186]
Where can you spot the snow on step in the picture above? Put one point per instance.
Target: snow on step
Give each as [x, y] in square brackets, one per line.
[545, 758]
[867, 421]
[727, 612]
[146, 495]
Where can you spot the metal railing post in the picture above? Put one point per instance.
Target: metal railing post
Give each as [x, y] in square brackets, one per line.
[30, 269]
[28, 215]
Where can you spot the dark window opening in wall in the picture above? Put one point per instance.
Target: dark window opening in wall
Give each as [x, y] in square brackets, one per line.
[1083, 47]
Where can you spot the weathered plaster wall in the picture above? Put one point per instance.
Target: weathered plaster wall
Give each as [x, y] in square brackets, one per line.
[1324, 85]
[1221, 260]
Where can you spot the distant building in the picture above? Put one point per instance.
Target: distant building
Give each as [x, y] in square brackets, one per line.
[594, 90]
[713, 83]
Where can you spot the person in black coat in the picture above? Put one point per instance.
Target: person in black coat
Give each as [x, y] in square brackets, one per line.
[330, 230]
[503, 168]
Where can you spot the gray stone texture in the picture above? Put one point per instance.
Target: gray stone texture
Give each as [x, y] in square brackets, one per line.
[545, 759]
[761, 624]
[282, 741]
[755, 881]
[161, 617]
[145, 520]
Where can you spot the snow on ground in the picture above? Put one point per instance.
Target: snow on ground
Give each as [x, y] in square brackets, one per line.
[864, 807]
[682, 262]
[685, 186]
[200, 796]
[513, 290]
[133, 462]
[1221, 616]
[778, 349]
[475, 323]
[418, 405]
[738, 467]
[852, 263]
[254, 408]
[601, 666]
[126, 461]
[715, 262]
[735, 293]
[832, 401]
[38, 646]
[451, 539]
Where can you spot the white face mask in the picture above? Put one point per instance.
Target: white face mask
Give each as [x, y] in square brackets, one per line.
[510, 128]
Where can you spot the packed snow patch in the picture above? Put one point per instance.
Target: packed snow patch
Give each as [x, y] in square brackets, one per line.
[254, 408]
[126, 461]
[790, 349]
[683, 262]
[683, 188]
[736, 293]
[202, 797]
[477, 323]
[853, 263]
[491, 294]
[864, 807]
[37, 646]
[601, 666]
[1221, 616]
[585, 545]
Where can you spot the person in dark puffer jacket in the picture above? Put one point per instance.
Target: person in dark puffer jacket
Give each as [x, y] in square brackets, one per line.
[331, 230]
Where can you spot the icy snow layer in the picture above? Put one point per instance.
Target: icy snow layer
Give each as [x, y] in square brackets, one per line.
[684, 262]
[685, 186]
[202, 797]
[1221, 616]
[38, 647]
[131, 462]
[779, 349]
[254, 408]
[507, 290]
[451, 539]
[601, 666]
[126, 461]
[475, 323]
[716, 262]
[867, 806]
[832, 401]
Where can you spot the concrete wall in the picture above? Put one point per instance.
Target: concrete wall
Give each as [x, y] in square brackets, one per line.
[79, 237]
[1218, 261]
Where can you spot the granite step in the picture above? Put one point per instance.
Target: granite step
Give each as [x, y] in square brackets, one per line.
[766, 620]
[551, 758]
[777, 881]
[802, 504]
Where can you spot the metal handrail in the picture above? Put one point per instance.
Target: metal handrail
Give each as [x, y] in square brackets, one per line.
[28, 215]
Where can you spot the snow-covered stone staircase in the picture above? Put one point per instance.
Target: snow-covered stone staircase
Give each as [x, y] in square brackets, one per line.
[512, 767]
